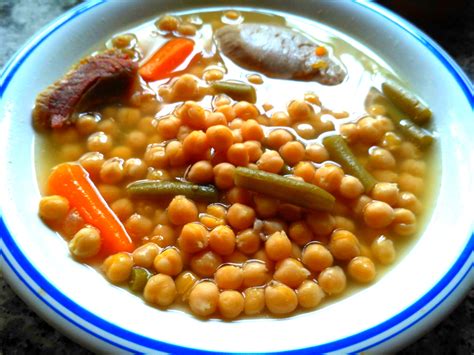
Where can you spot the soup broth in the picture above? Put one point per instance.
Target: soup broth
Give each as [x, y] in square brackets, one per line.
[267, 214]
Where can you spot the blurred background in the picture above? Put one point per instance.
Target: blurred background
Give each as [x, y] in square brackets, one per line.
[450, 23]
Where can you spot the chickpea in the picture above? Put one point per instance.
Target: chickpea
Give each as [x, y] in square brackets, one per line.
[252, 131]
[410, 183]
[414, 167]
[332, 280]
[160, 290]
[280, 119]
[380, 158]
[296, 251]
[378, 214]
[112, 171]
[362, 269]
[320, 223]
[167, 23]
[240, 216]
[316, 153]
[292, 152]
[122, 152]
[182, 211]
[168, 262]
[86, 243]
[404, 222]
[255, 79]
[342, 222]
[175, 153]
[99, 142]
[279, 137]
[210, 221]
[409, 201]
[254, 300]
[86, 124]
[204, 298]
[123, 208]
[248, 241]
[231, 304]
[168, 128]
[238, 155]
[369, 131]
[71, 151]
[299, 110]
[305, 170]
[407, 150]
[117, 267]
[155, 156]
[144, 255]
[255, 273]
[187, 29]
[128, 116]
[201, 172]
[224, 175]
[290, 272]
[222, 240]
[236, 258]
[205, 263]
[193, 115]
[384, 250]
[329, 177]
[186, 88]
[216, 210]
[265, 207]
[245, 110]
[92, 162]
[138, 226]
[351, 187]
[229, 277]
[310, 294]
[254, 150]
[278, 246]
[164, 235]
[108, 127]
[193, 238]
[134, 168]
[184, 283]
[280, 299]
[110, 193]
[219, 137]
[344, 245]
[300, 233]
[316, 257]
[386, 192]
[227, 110]
[53, 208]
[213, 75]
[274, 225]
[239, 195]
[350, 132]
[271, 162]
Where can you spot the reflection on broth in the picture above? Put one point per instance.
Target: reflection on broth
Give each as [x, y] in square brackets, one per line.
[233, 191]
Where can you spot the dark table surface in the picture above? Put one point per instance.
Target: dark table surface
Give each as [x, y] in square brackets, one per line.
[22, 331]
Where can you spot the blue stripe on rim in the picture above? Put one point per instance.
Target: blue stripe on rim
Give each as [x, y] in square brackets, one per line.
[8, 73]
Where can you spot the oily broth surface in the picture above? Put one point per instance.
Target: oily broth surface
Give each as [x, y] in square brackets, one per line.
[365, 70]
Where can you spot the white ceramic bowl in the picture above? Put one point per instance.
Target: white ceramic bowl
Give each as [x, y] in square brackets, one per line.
[407, 301]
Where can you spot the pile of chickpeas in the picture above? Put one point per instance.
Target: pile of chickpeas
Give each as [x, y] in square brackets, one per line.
[249, 252]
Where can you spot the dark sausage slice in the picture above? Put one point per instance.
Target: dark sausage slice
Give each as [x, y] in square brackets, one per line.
[97, 77]
[277, 52]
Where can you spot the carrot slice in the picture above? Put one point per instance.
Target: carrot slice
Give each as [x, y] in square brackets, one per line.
[167, 58]
[72, 182]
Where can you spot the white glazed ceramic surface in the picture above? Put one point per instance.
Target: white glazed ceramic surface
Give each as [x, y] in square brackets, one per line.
[407, 301]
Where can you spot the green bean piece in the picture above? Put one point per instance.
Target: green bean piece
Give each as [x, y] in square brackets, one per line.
[286, 189]
[157, 188]
[418, 135]
[138, 279]
[236, 91]
[342, 154]
[407, 102]
[286, 169]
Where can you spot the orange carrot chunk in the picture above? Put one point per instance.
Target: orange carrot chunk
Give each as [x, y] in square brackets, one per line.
[166, 59]
[72, 182]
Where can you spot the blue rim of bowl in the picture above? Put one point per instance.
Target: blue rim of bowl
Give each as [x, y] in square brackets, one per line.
[24, 266]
